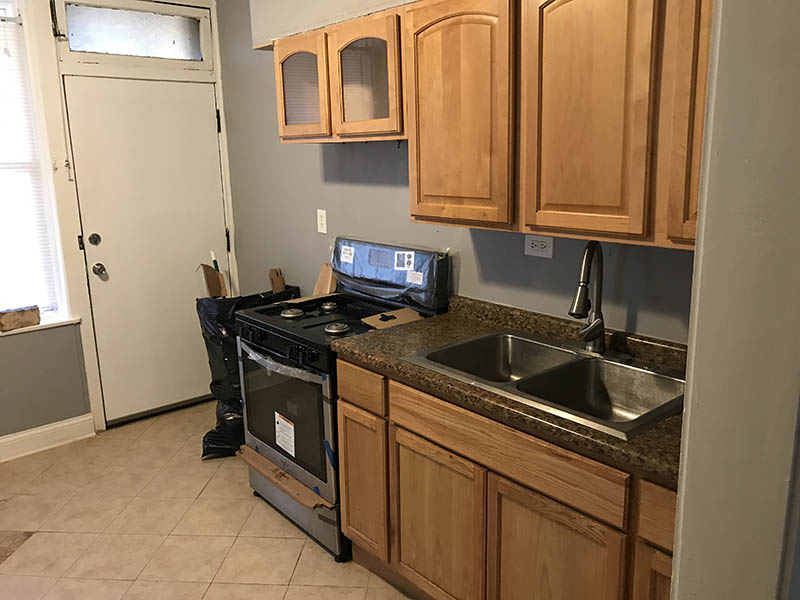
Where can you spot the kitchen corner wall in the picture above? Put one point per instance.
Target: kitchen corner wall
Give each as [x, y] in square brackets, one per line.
[42, 378]
[277, 189]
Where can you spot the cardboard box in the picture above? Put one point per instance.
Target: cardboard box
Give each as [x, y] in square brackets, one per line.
[392, 318]
[19, 318]
[212, 282]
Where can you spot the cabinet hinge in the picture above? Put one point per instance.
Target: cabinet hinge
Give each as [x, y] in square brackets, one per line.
[219, 122]
[80, 243]
[57, 33]
[228, 239]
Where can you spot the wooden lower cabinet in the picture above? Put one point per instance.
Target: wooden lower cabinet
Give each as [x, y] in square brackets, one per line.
[438, 513]
[538, 548]
[363, 479]
[652, 574]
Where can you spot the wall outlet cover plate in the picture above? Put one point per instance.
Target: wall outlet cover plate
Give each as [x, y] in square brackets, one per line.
[539, 245]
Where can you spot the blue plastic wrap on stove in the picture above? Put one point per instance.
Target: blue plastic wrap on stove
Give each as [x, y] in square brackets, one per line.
[407, 276]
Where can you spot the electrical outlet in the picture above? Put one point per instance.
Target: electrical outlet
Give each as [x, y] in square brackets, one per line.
[539, 245]
[322, 221]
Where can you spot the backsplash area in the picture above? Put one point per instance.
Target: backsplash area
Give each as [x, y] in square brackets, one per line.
[277, 189]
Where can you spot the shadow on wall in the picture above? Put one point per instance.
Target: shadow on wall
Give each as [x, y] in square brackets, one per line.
[375, 163]
[635, 277]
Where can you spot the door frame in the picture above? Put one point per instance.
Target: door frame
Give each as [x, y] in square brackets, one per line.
[49, 96]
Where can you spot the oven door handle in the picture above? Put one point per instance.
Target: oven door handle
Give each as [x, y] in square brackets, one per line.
[273, 366]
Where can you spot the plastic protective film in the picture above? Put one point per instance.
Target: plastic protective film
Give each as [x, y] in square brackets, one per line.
[273, 366]
[413, 277]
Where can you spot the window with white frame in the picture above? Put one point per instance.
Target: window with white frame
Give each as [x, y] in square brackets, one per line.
[30, 264]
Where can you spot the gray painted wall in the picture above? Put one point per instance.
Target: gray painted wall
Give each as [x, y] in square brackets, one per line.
[42, 378]
[739, 423]
[364, 188]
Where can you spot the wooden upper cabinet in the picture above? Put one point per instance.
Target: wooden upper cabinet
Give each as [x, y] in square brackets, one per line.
[538, 548]
[366, 89]
[438, 518]
[363, 483]
[686, 55]
[301, 83]
[459, 85]
[586, 120]
[652, 574]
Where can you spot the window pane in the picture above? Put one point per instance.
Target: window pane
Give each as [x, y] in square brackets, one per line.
[31, 265]
[132, 33]
[301, 88]
[365, 80]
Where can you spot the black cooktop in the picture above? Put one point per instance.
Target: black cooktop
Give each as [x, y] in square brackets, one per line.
[317, 321]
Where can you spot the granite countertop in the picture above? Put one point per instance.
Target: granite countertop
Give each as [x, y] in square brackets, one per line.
[653, 454]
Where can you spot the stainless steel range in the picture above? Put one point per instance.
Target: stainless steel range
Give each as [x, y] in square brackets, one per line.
[288, 373]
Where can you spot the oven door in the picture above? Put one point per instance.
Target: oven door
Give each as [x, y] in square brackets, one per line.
[288, 415]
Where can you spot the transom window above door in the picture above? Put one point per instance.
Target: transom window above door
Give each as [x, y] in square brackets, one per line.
[133, 34]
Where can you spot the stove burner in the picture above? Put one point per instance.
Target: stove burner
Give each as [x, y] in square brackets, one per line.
[329, 306]
[292, 313]
[337, 328]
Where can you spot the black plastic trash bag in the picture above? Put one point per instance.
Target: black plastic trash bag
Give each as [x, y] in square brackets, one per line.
[220, 329]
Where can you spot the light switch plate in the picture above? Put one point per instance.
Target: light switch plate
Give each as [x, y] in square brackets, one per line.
[322, 221]
[539, 245]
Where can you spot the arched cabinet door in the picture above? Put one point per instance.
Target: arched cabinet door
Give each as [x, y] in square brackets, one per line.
[301, 83]
[460, 110]
[587, 114]
[366, 95]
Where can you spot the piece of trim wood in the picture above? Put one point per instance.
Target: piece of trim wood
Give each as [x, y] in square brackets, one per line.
[16, 445]
[281, 479]
[361, 387]
[326, 281]
[657, 514]
[589, 486]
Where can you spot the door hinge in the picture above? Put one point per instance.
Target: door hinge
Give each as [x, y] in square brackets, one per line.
[54, 21]
[80, 243]
[228, 239]
[219, 122]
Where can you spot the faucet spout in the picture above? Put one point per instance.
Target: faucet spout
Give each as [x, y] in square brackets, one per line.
[594, 332]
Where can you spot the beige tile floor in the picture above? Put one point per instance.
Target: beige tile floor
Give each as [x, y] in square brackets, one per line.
[134, 514]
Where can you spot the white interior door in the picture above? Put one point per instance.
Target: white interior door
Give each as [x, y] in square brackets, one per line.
[147, 168]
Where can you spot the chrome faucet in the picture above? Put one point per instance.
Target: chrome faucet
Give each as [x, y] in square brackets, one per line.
[594, 331]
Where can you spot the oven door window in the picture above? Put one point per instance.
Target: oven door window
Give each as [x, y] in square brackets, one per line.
[285, 410]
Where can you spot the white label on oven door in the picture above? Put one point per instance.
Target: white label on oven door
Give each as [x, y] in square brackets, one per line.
[346, 254]
[284, 433]
[404, 260]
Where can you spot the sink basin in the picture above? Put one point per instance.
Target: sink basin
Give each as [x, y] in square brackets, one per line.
[501, 357]
[604, 395]
[622, 398]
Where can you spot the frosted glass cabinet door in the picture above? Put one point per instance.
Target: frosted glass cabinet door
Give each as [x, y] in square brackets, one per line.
[365, 76]
[301, 82]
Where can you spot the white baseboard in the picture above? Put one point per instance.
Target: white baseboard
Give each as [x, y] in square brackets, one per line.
[16, 445]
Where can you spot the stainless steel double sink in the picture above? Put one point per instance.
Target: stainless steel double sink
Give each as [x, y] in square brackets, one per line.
[579, 386]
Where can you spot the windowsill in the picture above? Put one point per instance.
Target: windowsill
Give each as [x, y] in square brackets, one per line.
[41, 326]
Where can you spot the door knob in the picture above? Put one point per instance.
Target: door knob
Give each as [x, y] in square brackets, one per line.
[95, 239]
[99, 269]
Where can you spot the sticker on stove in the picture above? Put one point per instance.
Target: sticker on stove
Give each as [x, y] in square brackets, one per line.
[346, 254]
[403, 260]
[414, 277]
[284, 433]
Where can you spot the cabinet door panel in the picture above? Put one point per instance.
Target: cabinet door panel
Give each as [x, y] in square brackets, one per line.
[652, 579]
[586, 116]
[460, 110]
[365, 76]
[689, 59]
[538, 548]
[438, 518]
[301, 83]
[363, 479]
